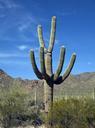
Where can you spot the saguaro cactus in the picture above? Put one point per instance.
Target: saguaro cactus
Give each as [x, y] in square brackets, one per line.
[46, 72]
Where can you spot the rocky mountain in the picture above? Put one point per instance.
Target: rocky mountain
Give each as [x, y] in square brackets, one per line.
[5, 80]
[81, 85]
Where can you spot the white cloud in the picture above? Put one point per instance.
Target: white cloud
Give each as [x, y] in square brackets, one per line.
[47, 40]
[9, 55]
[89, 63]
[56, 41]
[9, 4]
[12, 62]
[24, 25]
[21, 38]
[27, 22]
[6, 55]
[36, 49]
[23, 47]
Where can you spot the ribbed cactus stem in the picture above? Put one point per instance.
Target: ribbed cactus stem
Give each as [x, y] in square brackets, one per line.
[48, 96]
[33, 62]
[70, 66]
[42, 61]
[61, 62]
[48, 64]
[40, 36]
[52, 35]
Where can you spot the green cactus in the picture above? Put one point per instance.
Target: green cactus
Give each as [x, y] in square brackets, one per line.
[46, 72]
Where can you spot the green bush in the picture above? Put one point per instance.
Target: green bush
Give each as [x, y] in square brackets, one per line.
[73, 113]
[12, 103]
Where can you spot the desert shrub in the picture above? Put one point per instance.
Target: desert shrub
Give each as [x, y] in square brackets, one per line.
[13, 102]
[17, 106]
[73, 113]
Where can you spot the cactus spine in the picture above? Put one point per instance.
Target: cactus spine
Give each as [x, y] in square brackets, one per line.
[46, 72]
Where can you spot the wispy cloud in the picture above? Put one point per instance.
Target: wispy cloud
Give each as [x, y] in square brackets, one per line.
[22, 30]
[16, 62]
[89, 63]
[10, 55]
[23, 47]
[36, 49]
[17, 25]
[56, 41]
[9, 4]
[26, 23]
[24, 26]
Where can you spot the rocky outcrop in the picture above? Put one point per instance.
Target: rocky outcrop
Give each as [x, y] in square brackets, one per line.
[75, 84]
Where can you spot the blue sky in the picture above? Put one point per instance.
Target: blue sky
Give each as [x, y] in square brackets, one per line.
[18, 25]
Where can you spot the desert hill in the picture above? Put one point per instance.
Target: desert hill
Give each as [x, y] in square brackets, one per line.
[82, 84]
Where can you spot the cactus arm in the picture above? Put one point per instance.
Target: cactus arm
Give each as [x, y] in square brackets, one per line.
[61, 62]
[67, 71]
[48, 64]
[42, 61]
[52, 35]
[33, 62]
[40, 36]
[58, 81]
[70, 66]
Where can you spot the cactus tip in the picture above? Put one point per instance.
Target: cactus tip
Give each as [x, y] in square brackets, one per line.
[74, 54]
[54, 17]
[63, 46]
[31, 50]
[39, 26]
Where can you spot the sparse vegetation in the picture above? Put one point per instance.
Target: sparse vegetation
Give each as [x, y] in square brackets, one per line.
[17, 108]
[14, 105]
[73, 113]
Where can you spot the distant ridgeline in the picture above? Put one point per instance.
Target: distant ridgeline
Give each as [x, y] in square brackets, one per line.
[75, 86]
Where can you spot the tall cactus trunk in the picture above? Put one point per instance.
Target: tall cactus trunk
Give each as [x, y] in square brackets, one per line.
[48, 85]
[48, 97]
[48, 102]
